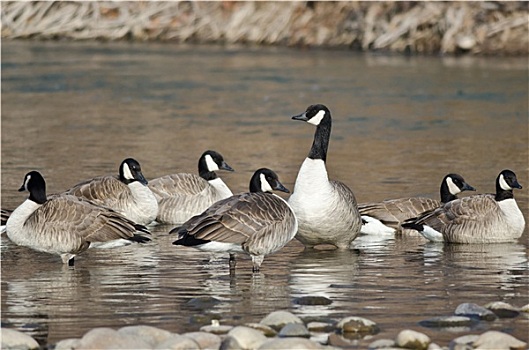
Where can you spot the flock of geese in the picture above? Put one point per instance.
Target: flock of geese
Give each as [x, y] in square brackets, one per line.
[108, 211]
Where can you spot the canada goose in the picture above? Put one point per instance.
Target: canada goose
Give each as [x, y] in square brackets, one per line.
[257, 223]
[326, 209]
[485, 218]
[126, 193]
[387, 216]
[181, 196]
[64, 224]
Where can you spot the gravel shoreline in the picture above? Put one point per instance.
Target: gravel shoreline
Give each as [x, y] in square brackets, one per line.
[284, 330]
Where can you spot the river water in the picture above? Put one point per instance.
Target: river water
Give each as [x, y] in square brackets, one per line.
[76, 110]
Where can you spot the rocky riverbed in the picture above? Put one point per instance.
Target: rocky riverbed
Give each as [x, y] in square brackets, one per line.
[284, 330]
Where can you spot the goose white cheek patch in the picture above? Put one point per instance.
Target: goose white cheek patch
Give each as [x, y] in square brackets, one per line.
[210, 163]
[503, 184]
[317, 118]
[265, 186]
[452, 187]
[126, 172]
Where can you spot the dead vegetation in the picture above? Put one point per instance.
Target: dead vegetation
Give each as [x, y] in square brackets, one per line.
[414, 27]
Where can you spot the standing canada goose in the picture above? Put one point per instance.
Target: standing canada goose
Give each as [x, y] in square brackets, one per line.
[485, 218]
[126, 193]
[65, 225]
[181, 196]
[386, 217]
[326, 209]
[257, 223]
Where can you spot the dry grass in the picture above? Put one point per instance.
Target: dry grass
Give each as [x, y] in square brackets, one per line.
[417, 27]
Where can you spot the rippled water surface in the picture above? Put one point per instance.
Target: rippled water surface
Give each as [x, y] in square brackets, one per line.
[74, 111]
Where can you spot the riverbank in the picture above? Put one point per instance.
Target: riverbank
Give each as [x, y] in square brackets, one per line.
[478, 28]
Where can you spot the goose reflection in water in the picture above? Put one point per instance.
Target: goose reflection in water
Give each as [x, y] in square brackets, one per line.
[324, 273]
[503, 264]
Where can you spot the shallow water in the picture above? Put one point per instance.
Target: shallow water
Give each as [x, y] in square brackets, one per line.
[76, 110]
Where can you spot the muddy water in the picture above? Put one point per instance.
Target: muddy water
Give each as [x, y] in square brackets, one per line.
[73, 111]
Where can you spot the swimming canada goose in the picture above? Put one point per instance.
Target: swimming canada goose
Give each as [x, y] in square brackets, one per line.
[485, 218]
[64, 224]
[387, 216]
[326, 209]
[257, 223]
[181, 196]
[126, 193]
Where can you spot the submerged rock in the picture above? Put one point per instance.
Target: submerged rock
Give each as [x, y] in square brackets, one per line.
[474, 310]
[448, 321]
[503, 310]
[13, 339]
[312, 300]
[411, 339]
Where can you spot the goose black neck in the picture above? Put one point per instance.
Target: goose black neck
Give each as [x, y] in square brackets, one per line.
[208, 175]
[502, 194]
[203, 170]
[38, 194]
[446, 195]
[321, 140]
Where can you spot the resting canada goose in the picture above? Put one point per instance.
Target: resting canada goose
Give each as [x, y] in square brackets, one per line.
[126, 193]
[181, 196]
[257, 223]
[65, 225]
[326, 210]
[387, 216]
[485, 218]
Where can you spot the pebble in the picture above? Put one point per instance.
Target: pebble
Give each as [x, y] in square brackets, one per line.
[294, 330]
[216, 328]
[205, 340]
[503, 310]
[525, 308]
[278, 319]
[320, 327]
[474, 310]
[382, 344]
[498, 341]
[464, 342]
[246, 337]
[178, 342]
[13, 339]
[266, 330]
[108, 338]
[148, 334]
[290, 343]
[411, 339]
[354, 324]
